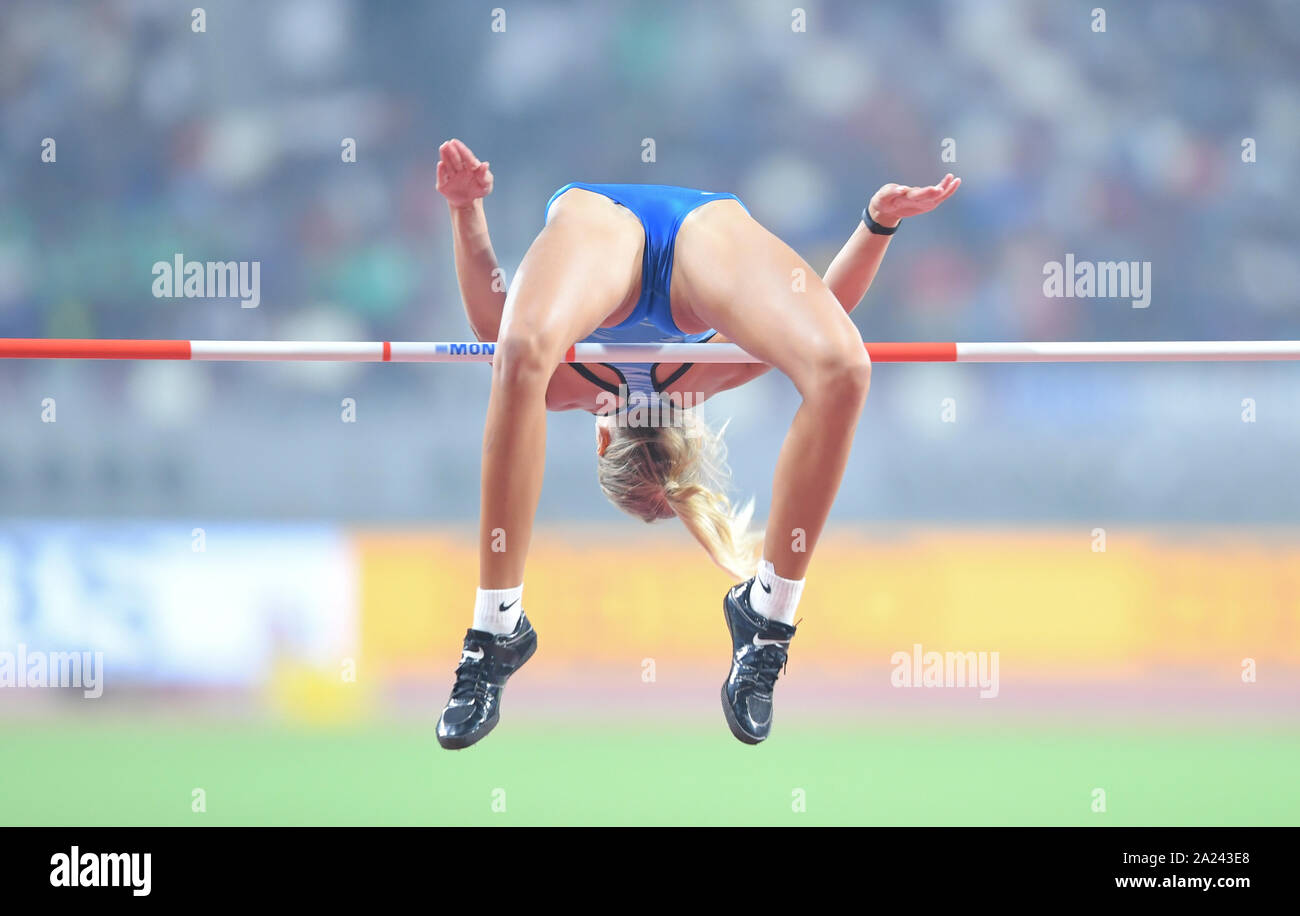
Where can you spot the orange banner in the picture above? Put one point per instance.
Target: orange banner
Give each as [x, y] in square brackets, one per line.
[1047, 600]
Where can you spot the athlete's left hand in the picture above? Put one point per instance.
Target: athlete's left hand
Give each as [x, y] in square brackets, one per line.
[894, 201]
[462, 179]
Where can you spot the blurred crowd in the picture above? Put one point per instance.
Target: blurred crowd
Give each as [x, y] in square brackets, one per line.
[225, 144]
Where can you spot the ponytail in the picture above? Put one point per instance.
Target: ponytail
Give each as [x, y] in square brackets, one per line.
[680, 469]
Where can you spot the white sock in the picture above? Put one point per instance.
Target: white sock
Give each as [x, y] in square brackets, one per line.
[773, 597]
[497, 610]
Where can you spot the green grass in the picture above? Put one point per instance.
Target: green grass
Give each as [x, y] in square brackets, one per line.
[575, 772]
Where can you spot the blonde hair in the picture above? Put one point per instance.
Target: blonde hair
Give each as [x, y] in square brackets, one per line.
[680, 469]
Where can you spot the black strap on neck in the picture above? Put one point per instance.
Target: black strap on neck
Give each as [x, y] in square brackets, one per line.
[676, 373]
[596, 379]
[601, 383]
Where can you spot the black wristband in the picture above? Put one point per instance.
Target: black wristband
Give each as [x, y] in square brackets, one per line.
[875, 227]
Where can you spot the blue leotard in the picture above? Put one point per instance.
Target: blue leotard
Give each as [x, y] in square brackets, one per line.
[661, 209]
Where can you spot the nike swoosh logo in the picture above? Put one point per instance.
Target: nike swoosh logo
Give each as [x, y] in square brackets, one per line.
[764, 586]
[466, 653]
[769, 642]
[505, 607]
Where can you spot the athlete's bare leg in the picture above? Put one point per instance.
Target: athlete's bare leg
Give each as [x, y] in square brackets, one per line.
[732, 274]
[583, 268]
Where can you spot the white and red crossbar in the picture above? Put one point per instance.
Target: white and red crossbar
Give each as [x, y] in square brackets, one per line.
[420, 352]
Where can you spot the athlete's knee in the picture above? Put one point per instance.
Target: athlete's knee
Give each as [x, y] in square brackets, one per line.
[840, 377]
[526, 357]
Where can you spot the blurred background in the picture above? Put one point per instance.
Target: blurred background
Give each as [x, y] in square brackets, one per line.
[280, 595]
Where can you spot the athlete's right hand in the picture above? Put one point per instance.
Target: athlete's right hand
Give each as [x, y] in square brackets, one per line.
[462, 179]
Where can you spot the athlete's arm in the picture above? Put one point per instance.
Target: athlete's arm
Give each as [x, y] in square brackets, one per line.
[464, 181]
[852, 270]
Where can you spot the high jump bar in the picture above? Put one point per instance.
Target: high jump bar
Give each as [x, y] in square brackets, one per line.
[457, 352]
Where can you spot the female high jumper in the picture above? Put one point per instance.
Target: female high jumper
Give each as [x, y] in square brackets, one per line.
[643, 264]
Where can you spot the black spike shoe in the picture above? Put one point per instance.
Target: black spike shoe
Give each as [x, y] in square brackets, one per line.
[486, 663]
[759, 649]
